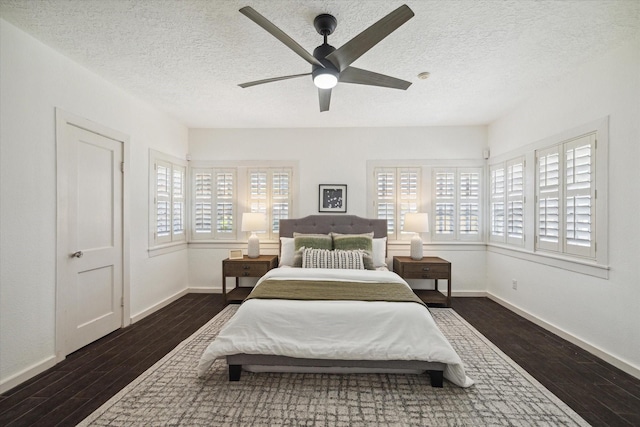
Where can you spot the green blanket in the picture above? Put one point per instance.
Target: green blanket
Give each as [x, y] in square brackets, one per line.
[326, 290]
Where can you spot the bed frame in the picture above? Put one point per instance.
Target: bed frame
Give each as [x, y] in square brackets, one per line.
[324, 224]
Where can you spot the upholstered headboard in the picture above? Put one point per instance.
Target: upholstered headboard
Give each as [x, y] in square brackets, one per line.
[324, 224]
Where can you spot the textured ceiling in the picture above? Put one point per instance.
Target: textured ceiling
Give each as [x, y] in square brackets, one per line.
[187, 56]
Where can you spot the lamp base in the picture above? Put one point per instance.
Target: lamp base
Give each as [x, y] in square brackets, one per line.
[253, 250]
[416, 247]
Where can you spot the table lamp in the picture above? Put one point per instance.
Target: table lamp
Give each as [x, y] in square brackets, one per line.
[253, 222]
[416, 223]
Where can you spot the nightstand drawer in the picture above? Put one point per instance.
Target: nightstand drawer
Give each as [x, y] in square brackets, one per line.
[425, 271]
[249, 269]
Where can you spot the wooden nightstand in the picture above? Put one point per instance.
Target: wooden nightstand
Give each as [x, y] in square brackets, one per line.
[245, 267]
[426, 268]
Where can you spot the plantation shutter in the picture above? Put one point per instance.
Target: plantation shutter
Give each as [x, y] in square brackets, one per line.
[445, 201]
[270, 193]
[281, 199]
[258, 191]
[548, 193]
[469, 203]
[203, 204]
[457, 198]
[178, 201]
[397, 193]
[515, 201]
[163, 201]
[497, 202]
[213, 203]
[385, 202]
[408, 195]
[225, 195]
[579, 196]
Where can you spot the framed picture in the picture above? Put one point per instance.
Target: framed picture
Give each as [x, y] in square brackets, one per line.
[235, 254]
[332, 198]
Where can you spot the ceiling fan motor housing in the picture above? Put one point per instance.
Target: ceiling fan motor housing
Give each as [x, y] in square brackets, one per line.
[320, 53]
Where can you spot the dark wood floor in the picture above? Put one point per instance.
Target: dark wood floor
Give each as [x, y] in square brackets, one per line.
[68, 392]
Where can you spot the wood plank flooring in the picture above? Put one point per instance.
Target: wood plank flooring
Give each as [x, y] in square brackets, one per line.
[71, 390]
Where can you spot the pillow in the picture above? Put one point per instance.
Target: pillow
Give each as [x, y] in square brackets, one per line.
[297, 257]
[323, 258]
[351, 242]
[379, 252]
[287, 251]
[316, 241]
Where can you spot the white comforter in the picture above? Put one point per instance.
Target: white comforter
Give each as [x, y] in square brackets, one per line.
[352, 330]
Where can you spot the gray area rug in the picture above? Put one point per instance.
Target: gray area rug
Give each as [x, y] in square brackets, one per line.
[169, 393]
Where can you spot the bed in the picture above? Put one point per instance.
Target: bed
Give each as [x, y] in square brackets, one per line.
[339, 331]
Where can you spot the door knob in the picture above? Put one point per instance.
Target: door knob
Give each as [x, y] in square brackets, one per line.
[77, 254]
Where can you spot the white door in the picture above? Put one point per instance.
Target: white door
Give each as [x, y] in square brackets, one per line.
[92, 246]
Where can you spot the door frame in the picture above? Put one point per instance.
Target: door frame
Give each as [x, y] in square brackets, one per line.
[64, 118]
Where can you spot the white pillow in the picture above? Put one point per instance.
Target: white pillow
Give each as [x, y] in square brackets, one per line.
[379, 249]
[287, 251]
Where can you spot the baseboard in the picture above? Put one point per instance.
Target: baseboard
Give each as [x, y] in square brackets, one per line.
[469, 294]
[200, 290]
[139, 316]
[26, 374]
[607, 357]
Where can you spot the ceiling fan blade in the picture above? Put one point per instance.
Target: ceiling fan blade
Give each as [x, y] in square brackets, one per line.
[250, 13]
[367, 39]
[364, 77]
[325, 99]
[272, 79]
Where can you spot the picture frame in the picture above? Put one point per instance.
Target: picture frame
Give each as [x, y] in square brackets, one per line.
[332, 198]
[235, 254]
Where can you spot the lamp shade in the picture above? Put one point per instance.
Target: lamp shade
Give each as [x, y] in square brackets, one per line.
[254, 221]
[416, 222]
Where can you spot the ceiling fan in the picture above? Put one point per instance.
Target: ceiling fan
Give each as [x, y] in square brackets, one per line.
[330, 65]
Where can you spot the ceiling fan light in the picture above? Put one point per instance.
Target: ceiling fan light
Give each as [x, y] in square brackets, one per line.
[325, 80]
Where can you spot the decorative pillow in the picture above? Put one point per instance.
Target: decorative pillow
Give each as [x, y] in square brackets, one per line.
[287, 251]
[379, 252]
[323, 258]
[316, 241]
[351, 242]
[297, 257]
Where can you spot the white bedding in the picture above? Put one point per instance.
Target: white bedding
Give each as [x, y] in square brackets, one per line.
[351, 330]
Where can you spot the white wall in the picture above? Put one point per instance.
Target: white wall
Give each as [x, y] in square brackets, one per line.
[338, 156]
[34, 80]
[602, 313]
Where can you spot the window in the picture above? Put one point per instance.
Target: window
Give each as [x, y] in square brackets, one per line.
[565, 193]
[168, 210]
[456, 204]
[270, 193]
[222, 191]
[213, 203]
[506, 213]
[397, 192]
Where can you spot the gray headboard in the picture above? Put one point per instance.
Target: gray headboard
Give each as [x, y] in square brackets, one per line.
[324, 224]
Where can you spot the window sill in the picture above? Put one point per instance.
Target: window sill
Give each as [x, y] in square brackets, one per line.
[590, 268]
[167, 248]
[443, 246]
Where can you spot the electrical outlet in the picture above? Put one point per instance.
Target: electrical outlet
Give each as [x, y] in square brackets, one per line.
[514, 284]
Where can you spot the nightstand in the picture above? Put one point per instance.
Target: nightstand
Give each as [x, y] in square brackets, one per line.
[426, 268]
[245, 267]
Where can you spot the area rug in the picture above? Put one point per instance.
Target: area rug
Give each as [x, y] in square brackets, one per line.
[170, 394]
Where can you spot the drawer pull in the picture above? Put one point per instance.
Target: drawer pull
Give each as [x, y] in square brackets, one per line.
[246, 267]
[425, 269]
[245, 273]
